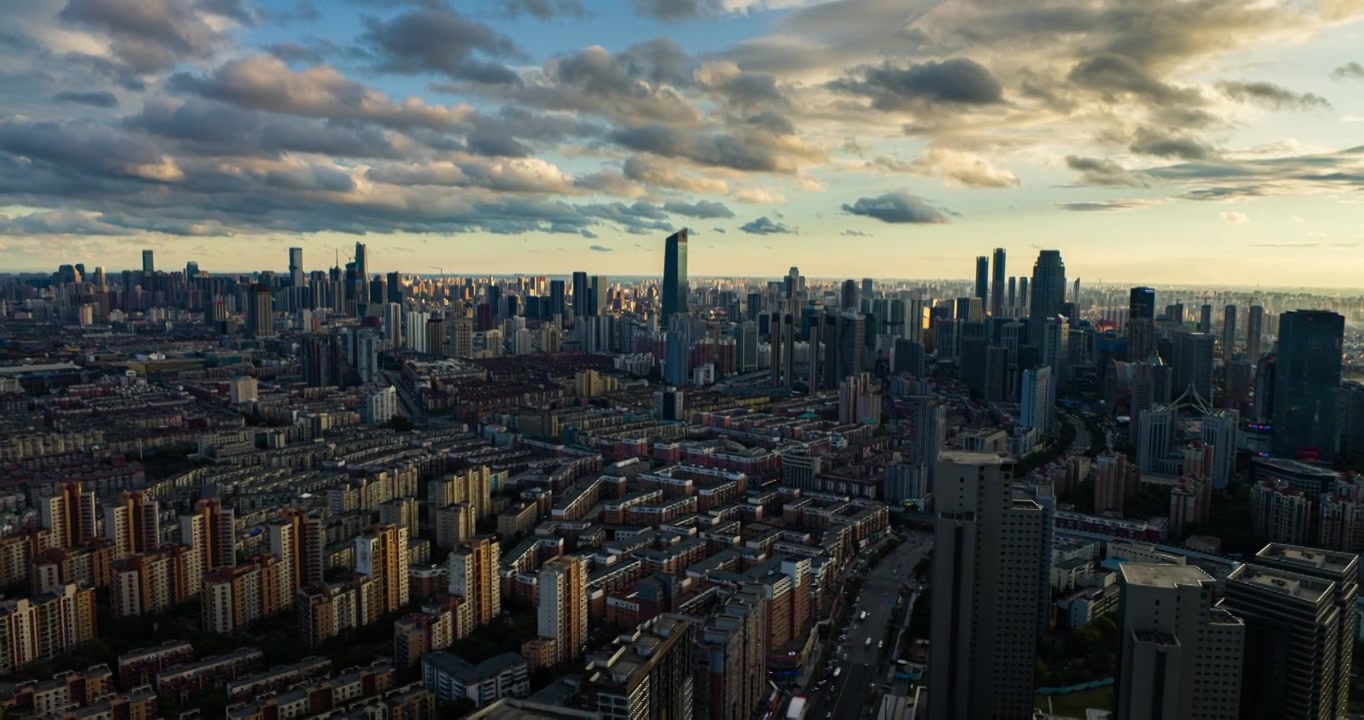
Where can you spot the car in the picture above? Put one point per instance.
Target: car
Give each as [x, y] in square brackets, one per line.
[881, 644]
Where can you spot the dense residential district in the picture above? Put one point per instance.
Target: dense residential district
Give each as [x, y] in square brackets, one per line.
[346, 494]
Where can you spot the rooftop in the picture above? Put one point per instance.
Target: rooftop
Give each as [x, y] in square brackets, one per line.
[1298, 587]
[1163, 575]
[961, 457]
[1307, 558]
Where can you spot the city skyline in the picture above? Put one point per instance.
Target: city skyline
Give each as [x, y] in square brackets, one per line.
[854, 136]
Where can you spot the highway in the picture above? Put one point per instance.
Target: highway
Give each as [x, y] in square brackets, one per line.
[864, 665]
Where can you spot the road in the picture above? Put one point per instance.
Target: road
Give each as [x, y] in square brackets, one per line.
[864, 664]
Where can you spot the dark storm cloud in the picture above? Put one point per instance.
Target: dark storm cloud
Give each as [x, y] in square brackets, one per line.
[150, 35]
[765, 226]
[440, 41]
[544, 9]
[704, 209]
[1114, 75]
[599, 248]
[959, 81]
[1097, 171]
[1348, 70]
[1169, 145]
[896, 208]
[95, 98]
[1272, 96]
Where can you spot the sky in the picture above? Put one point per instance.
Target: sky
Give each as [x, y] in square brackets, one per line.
[1215, 142]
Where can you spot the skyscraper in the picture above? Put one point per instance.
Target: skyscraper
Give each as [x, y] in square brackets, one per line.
[647, 673]
[1306, 383]
[852, 329]
[983, 640]
[148, 263]
[1229, 332]
[596, 298]
[260, 312]
[1013, 294]
[1180, 652]
[1254, 326]
[361, 273]
[296, 266]
[133, 523]
[381, 553]
[473, 576]
[1205, 318]
[848, 299]
[1141, 304]
[580, 293]
[675, 286]
[983, 280]
[997, 285]
[1048, 286]
[1193, 363]
[1298, 607]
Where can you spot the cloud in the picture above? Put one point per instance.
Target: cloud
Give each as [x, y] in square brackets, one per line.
[639, 218]
[544, 9]
[1109, 205]
[702, 209]
[957, 168]
[439, 41]
[669, 10]
[1096, 171]
[588, 234]
[855, 233]
[264, 82]
[600, 248]
[760, 196]
[654, 171]
[1169, 145]
[152, 35]
[1273, 96]
[1235, 218]
[95, 98]
[744, 149]
[1308, 245]
[1348, 70]
[1114, 75]
[718, 230]
[764, 226]
[959, 81]
[896, 208]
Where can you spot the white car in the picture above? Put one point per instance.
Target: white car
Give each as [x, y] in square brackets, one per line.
[881, 644]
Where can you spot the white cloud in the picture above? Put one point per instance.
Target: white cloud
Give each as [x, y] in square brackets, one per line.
[1235, 217]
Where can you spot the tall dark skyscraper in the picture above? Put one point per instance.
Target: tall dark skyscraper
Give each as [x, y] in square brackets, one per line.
[1205, 318]
[1229, 332]
[852, 328]
[361, 274]
[580, 293]
[1048, 286]
[1022, 294]
[983, 280]
[848, 299]
[148, 263]
[868, 288]
[260, 309]
[675, 287]
[1306, 383]
[295, 260]
[556, 297]
[1141, 304]
[997, 285]
[1254, 326]
[1013, 292]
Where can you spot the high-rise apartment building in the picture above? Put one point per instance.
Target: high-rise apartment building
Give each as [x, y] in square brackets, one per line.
[1181, 652]
[1306, 385]
[1298, 606]
[45, 626]
[296, 266]
[68, 515]
[132, 521]
[298, 540]
[1141, 323]
[474, 577]
[209, 530]
[561, 613]
[381, 553]
[730, 655]
[675, 286]
[983, 641]
[646, 674]
[148, 263]
[1038, 395]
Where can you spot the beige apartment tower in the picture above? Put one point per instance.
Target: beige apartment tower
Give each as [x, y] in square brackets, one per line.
[474, 577]
[1181, 652]
[562, 611]
[987, 565]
